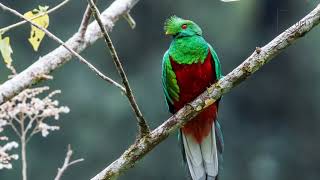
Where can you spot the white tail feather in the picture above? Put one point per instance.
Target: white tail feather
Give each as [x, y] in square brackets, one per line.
[209, 153]
[194, 157]
[202, 159]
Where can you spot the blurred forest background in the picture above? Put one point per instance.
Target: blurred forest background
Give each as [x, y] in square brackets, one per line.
[271, 122]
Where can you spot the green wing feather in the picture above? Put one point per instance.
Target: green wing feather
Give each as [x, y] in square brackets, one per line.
[169, 81]
[216, 62]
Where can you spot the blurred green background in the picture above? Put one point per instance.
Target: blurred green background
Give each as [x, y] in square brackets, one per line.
[271, 122]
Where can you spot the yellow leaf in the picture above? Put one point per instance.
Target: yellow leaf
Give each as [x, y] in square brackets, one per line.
[6, 50]
[36, 35]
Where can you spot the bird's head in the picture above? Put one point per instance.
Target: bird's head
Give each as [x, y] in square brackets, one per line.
[178, 27]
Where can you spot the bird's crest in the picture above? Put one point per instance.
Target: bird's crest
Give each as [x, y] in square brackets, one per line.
[173, 23]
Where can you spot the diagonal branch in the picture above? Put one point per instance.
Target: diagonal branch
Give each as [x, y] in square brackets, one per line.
[143, 127]
[253, 63]
[60, 55]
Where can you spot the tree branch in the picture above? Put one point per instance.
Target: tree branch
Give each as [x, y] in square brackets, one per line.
[66, 163]
[143, 127]
[253, 63]
[59, 56]
[130, 20]
[85, 20]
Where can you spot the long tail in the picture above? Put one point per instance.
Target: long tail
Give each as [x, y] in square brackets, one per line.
[202, 159]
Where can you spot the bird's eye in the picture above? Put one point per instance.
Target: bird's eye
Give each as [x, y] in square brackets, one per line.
[184, 26]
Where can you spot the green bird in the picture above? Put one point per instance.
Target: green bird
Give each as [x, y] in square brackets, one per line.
[189, 67]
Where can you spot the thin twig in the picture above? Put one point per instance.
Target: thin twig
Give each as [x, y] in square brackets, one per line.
[30, 123]
[66, 163]
[130, 20]
[34, 131]
[3, 30]
[85, 20]
[143, 127]
[52, 36]
[14, 128]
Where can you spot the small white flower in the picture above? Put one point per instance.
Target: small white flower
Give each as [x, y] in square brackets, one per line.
[45, 128]
[10, 146]
[5, 157]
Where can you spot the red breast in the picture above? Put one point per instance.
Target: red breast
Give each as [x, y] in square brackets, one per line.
[193, 79]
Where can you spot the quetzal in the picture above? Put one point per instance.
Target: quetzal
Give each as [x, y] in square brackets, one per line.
[189, 67]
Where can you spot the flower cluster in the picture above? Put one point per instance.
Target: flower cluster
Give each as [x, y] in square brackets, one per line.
[31, 111]
[27, 114]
